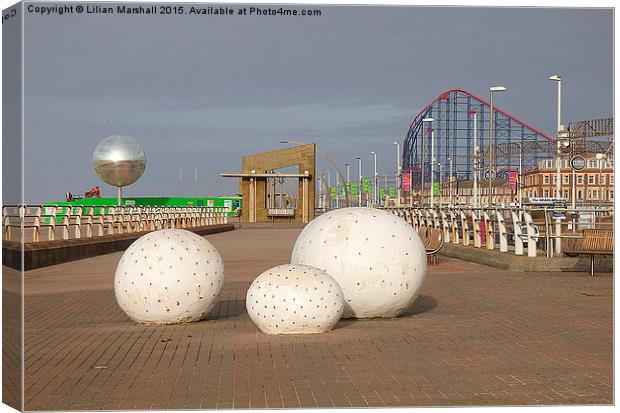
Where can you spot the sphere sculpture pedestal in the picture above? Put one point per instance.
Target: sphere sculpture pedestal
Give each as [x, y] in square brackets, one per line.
[168, 276]
[294, 299]
[376, 257]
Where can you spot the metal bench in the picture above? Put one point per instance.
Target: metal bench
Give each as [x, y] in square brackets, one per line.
[594, 242]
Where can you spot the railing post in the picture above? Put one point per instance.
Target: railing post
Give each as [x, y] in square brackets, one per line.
[476, 229]
[488, 229]
[464, 228]
[503, 234]
[517, 233]
[436, 223]
[454, 226]
[444, 225]
[531, 234]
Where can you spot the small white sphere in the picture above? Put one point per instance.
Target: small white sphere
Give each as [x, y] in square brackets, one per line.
[294, 299]
[168, 276]
[376, 257]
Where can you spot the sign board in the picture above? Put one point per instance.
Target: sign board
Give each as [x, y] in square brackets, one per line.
[542, 200]
[210, 202]
[436, 188]
[342, 192]
[512, 180]
[578, 163]
[333, 192]
[392, 192]
[354, 190]
[366, 186]
[406, 182]
[228, 204]
[489, 174]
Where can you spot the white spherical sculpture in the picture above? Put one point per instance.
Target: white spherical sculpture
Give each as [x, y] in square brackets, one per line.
[376, 257]
[294, 299]
[168, 276]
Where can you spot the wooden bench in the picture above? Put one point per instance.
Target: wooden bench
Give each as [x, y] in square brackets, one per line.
[594, 242]
[434, 244]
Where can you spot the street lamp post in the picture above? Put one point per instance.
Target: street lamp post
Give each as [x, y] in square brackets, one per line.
[600, 157]
[432, 167]
[375, 201]
[359, 184]
[558, 183]
[476, 153]
[426, 121]
[329, 189]
[492, 89]
[398, 168]
[450, 163]
[440, 186]
[337, 194]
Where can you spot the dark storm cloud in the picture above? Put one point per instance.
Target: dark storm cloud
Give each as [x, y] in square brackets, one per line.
[203, 91]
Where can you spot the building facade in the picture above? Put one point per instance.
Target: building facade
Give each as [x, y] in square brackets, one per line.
[593, 184]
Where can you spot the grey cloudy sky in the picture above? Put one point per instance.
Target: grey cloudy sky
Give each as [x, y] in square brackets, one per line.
[201, 91]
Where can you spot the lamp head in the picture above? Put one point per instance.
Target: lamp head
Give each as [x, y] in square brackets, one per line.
[428, 120]
[497, 89]
[557, 78]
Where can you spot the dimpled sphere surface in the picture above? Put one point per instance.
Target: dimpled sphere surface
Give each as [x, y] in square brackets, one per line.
[168, 276]
[294, 299]
[376, 257]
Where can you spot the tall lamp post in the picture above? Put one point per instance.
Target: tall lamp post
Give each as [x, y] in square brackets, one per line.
[492, 89]
[558, 183]
[601, 157]
[375, 201]
[348, 184]
[398, 168]
[429, 122]
[440, 186]
[337, 193]
[450, 165]
[476, 153]
[359, 183]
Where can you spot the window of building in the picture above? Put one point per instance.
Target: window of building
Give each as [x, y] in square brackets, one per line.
[602, 179]
[611, 194]
[611, 179]
[593, 163]
[546, 193]
[580, 179]
[565, 178]
[589, 194]
[546, 179]
[590, 179]
[579, 195]
[566, 193]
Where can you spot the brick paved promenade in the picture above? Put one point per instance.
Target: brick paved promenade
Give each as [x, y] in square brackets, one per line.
[475, 336]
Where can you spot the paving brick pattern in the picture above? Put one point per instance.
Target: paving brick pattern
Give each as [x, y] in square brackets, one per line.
[475, 336]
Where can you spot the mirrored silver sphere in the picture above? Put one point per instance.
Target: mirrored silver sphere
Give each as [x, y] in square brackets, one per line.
[119, 160]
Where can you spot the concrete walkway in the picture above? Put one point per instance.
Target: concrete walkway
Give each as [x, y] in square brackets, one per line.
[476, 336]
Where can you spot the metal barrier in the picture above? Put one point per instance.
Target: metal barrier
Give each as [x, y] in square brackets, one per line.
[519, 230]
[61, 222]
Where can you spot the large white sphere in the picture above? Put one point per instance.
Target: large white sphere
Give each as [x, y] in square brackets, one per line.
[294, 299]
[376, 257]
[168, 276]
